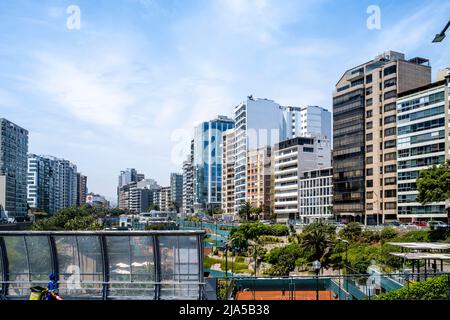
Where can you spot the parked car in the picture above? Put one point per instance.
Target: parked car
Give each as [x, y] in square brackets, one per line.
[421, 224]
[437, 224]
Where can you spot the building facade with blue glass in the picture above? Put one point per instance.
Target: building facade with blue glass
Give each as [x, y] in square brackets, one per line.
[208, 162]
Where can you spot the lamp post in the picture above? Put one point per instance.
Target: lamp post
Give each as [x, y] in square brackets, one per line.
[316, 266]
[440, 36]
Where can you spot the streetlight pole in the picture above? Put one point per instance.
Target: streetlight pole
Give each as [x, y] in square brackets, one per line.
[440, 36]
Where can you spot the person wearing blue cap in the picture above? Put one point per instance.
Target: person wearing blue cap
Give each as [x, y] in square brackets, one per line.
[52, 287]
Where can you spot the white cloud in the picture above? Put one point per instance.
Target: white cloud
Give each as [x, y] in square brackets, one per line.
[86, 94]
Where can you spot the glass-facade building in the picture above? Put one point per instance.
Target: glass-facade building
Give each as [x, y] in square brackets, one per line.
[145, 265]
[423, 120]
[208, 162]
[52, 183]
[13, 168]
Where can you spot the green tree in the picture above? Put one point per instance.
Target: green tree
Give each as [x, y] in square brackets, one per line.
[433, 184]
[73, 218]
[352, 231]
[318, 242]
[153, 207]
[435, 288]
[246, 211]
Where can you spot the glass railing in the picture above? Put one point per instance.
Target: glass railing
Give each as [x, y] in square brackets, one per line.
[104, 265]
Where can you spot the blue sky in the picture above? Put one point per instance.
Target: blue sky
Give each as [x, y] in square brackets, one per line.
[127, 88]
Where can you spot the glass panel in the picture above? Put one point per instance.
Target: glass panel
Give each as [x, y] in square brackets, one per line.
[119, 264]
[40, 259]
[143, 266]
[131, 267]
[68, 264]
[179, 267]
[18, 266]
[80, 266]
[91, 265]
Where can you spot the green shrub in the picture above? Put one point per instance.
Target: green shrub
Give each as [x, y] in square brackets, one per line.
[432, 289]
[352, 231]
[388, 234]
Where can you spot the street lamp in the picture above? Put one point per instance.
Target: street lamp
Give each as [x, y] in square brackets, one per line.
[316, 266]
[440, 36]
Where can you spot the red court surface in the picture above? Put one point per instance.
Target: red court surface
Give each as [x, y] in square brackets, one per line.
[288, 295]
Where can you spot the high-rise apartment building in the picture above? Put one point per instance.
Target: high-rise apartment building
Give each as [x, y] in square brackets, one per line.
[82, 189]
[364, 140]
[259, 123]
[97, 200]
[165, 199]
[291, 158]
[138, 196]
[208, 162]
[259, 179]
[305, 121]
[13, 168]
[423, 131]
[124, 190]
[228, 163]
[315, 190]
[52, 183]
[188, 183]
[176, 191]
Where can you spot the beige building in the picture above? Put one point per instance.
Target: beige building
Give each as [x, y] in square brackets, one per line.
[228, 162]
[364, 152]
[165, 199]
[259, 179]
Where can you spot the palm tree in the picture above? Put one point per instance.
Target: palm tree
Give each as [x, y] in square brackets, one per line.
[245, 212]
[319, 243]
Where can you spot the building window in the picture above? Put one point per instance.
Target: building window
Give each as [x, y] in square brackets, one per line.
[389, 119]
[390, 70]
[389, 107]
[390, 94]
[369, 172]
[390, 82]
[369, 91]
[369, 148]
[369, 160]
[390, 168]
[390, 205]
[369, 125]
[369, 183]
[390, 132]
[390, 193]
[369, 113]
[390, 156]
[390, 181]
[369, 102]
[369, 137]
[390, 144]
[369, 78]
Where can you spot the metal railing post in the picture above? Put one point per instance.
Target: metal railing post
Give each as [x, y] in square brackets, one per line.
[4, 262]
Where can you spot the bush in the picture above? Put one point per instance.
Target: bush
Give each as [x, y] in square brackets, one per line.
[388, 234]
[432, 289]
[351, 231]
[369, 236]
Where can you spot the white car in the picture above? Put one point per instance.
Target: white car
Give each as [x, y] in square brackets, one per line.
[437, 224]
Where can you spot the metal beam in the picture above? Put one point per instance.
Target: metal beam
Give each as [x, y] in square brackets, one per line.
[105, 261]
[157, 267]
[5, 267]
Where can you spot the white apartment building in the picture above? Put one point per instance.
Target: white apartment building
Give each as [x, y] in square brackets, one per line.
[315, 195]
[291, 158]
[423, 140]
